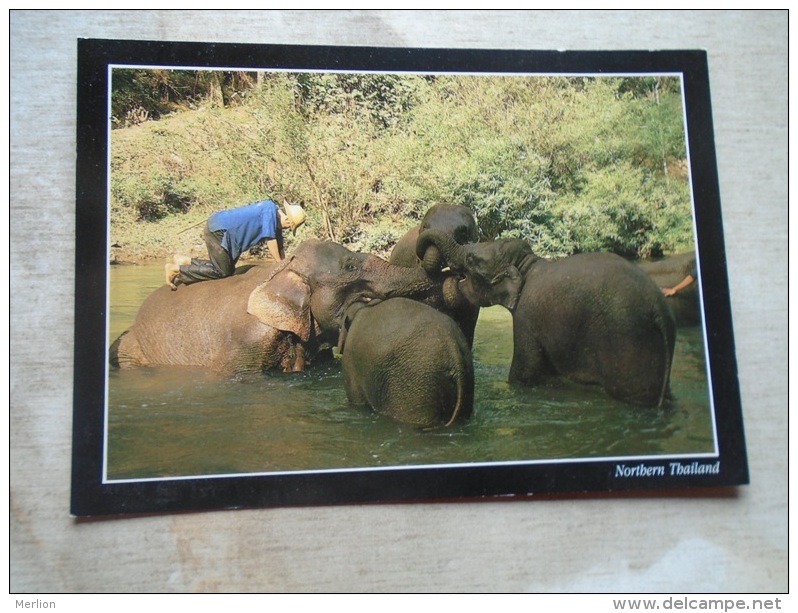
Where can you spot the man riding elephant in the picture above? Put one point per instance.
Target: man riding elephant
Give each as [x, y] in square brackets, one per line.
[230, 233]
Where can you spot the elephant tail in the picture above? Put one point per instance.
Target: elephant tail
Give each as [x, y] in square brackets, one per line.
[113, 351]
[464, 380]
[667, 328]
[458, 407]
[125, 351]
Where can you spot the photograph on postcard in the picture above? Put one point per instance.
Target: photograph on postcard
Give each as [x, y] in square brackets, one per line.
[363, 278]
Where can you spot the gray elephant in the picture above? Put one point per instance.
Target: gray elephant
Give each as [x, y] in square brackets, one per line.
[458, 223]
[264, 318]
[593, 318]
[677, 275]
[408, 361]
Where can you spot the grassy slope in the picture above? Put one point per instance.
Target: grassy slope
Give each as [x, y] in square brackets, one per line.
[182, 151]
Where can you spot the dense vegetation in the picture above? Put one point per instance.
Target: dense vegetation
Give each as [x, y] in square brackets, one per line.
[571, 164]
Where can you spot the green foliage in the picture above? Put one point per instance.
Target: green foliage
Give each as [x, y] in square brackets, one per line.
[570, 164]
[141, 94]
[377, 238]
[382, 99]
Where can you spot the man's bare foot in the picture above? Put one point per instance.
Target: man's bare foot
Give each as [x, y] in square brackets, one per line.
[172, 272]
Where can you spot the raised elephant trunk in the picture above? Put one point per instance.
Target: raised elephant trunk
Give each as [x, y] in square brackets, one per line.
[433, 247]
[432, 260]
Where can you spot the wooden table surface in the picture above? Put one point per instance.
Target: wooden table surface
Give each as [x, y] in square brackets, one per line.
[684, 543]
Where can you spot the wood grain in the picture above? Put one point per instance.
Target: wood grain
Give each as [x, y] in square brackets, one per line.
[684, 543]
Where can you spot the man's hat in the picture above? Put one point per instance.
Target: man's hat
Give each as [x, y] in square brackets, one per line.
[296, 216]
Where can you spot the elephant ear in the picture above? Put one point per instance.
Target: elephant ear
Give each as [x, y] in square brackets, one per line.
[344, 332]
[284, 303]
[349, 317]
[506, 287]
[280, 267]
[515, 252]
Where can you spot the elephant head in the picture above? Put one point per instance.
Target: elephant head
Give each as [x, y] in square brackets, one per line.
[308, 293]
[491, 272]
[454, 221]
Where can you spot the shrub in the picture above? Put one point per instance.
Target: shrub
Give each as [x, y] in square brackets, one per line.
[568, 164]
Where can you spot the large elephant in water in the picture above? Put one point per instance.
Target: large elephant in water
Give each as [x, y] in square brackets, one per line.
[678, 271]
[593, 318]
[408, 361]
[265, 318]
[458, 223]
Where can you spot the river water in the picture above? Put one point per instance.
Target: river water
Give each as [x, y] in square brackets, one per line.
[170, 422]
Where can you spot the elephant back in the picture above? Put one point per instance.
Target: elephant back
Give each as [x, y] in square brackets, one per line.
[410, 362]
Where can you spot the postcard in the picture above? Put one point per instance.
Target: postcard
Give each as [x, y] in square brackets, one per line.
[312, 275]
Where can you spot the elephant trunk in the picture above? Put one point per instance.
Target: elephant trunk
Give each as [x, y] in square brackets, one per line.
[398, 281]
[433, 247]
[432, 260]
[452, 296]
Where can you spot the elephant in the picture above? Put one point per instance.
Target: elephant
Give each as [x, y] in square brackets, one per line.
[459, 224]
[457, 221]
[265, 318]
[593, 318]
[408, 361]
[668, 273]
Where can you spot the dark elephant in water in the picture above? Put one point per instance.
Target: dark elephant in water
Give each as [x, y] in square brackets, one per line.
[265, 318]
[593, 318]
[458, 223]
[677, 275]
[408, 361]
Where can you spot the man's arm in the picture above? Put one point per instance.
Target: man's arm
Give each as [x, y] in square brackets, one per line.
[670, 291]
[276, 249]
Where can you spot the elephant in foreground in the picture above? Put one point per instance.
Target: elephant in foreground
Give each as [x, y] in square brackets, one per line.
[459, 224]
[592, 318]
[408, 361]
[264, 318]
[669, 273]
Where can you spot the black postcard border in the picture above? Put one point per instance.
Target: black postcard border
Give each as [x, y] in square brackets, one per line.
[90, 496]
